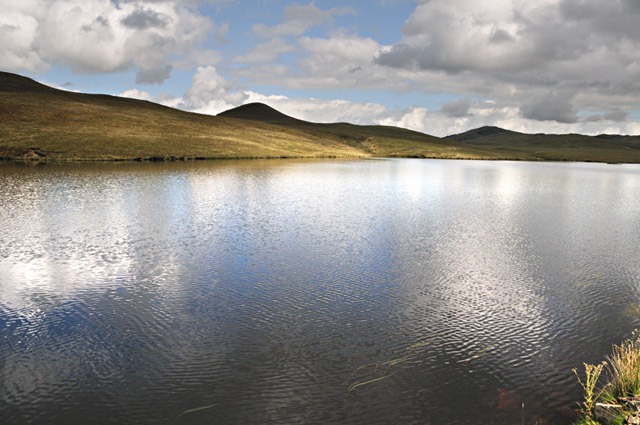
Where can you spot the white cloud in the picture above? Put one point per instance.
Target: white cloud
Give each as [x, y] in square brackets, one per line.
[342, 48]
[211, 93]
[550, 57]
[315, 110]
[137, 94]
[342, 60]
[265, 52]
[97, 36]
[549, 63]
[17, 36]
[163, 99]
[298, 19]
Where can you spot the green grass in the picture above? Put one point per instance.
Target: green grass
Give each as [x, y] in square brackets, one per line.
[623, 367]
[623, 378]
[555, 147]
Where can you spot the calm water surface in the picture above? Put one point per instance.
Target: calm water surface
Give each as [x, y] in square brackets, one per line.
[372, 291]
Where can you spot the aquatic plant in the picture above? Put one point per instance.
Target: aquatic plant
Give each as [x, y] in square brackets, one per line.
[377, 371]
[478, 354]
[196, 409]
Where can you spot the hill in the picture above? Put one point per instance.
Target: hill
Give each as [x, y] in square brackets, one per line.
[488, 142]
[42, 123]
[47, 124]
[374, 140]
[262, 113]
[481, 132]
[553, 147]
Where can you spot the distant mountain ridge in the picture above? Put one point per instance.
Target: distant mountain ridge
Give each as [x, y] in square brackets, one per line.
[571, 147]
[42, 123]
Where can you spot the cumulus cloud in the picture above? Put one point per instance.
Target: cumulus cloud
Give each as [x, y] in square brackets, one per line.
[211, 93]
[163, 99]
[137, 94]
[154, 76]
[298, 19]
[550, 58]
[547, 66]
[144, 18]
[342, 60]
[615, 115]
[98, 36]
[17, 36]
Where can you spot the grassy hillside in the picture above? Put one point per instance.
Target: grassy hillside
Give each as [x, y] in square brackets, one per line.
[485, 142]
[45, 124]
[40, 122]
[553, 147]
[373, 140]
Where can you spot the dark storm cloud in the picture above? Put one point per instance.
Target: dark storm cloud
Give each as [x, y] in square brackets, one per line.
[142, 19]
[456, 109]
[154, 76]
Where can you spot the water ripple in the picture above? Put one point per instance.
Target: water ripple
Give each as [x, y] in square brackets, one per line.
[311, 291]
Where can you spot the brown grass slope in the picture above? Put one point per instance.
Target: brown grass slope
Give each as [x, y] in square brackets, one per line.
[373, 140]
[42, 123]
[39, 122]
[484, 142]
[46, 124]
[554, 147]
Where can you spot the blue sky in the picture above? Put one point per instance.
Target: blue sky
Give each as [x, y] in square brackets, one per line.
[438, 66]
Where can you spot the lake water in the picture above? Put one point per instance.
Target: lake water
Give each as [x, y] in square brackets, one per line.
[333, 292]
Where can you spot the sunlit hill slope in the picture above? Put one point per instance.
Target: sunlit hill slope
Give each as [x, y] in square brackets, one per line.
[41, 123]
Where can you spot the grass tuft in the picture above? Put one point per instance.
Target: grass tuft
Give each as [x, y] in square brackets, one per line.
[623, 379]
[624, 368]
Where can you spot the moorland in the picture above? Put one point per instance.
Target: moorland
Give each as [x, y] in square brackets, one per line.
[41, 123]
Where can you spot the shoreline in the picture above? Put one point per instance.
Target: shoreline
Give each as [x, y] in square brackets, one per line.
[37, 159]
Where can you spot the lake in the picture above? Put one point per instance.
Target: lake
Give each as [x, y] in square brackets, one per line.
[319, 291]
